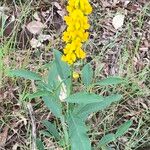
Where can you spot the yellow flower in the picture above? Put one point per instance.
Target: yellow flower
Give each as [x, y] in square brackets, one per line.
[76, 33]
[66, 37]
[76, 75]
[80, 53]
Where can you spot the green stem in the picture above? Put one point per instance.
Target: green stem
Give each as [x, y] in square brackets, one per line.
[71, 86]
[1, 66]
[65, 132]
[69, 106]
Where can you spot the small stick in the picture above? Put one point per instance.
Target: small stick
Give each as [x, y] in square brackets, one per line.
[30, 109]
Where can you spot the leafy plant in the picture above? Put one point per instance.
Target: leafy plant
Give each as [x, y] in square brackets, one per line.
[112, 137]
[72, 109]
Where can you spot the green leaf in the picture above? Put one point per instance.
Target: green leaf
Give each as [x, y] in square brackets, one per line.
[52, 129]
[106, 148]
[52, 75]
[53, 105]
[45, 133]
[107, 139]
[56, 82]
[109, 81]
[77, 133]
[84, 110]
[43, 86]
[84, 98]
[123, 128]
[63, 69]
[39, 144]
[87, 74]
[38, 94]
[25, 74]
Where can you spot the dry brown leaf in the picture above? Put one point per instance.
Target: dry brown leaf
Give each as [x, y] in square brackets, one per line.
[3, 136]
[44, 37]
[115, 2]
[35, 43]
[57, 5]
[35, 27]
[62, 13]
[36, 16]
[15, 147]
[126, 3]
[118, 21]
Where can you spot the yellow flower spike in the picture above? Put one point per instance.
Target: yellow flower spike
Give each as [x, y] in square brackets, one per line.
[82, 54]
[76, 75]
[77, 25]
[76, 33]
[82, 5]
[76, 3]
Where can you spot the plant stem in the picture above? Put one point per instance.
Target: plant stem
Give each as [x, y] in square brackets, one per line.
[1, 66]
[69, 106]
[71, 86]
[65, 132]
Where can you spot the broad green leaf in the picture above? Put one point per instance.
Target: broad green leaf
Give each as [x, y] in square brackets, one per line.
[84, 98]
[123, 128]
[45, 133]
[51, 129]
[77, 133]
[25, 74]
[84, 110]
[106, 148]
[53, 105]
[107, 139]
[54, 79]
[110, 81]
[52, 75]
[63, 69]
[39, 144]
[38, 94]
[43, 86]
[87, 74]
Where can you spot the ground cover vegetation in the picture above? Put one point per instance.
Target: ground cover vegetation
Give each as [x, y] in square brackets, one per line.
[74, 75]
